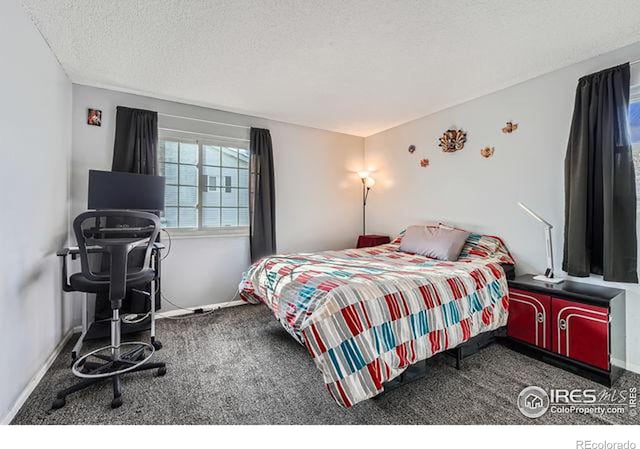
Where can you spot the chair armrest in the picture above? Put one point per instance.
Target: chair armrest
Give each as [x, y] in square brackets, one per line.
[74, 251]
[63, 252]
[65, 279]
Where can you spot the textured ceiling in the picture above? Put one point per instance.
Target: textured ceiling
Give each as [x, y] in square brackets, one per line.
[355, 66]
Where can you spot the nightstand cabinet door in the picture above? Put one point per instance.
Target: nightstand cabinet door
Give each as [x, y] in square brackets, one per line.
[581, 332]
[529, 318]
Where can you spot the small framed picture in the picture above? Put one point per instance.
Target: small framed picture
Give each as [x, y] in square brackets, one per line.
[94, 117]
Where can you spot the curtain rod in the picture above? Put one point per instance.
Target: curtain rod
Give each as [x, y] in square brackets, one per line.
[204, 134]
[203, 120]
[634, 62]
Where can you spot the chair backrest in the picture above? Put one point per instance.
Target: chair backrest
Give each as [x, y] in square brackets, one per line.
[126, 237]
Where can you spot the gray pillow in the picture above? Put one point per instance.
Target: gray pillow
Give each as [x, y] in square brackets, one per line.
[434, 242]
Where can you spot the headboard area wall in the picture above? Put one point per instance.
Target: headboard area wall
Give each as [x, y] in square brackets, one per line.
[478, 193]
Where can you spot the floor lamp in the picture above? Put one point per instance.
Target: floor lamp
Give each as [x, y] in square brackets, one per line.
[367, 183]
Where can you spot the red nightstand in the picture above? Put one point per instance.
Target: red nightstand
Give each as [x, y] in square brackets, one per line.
[365, 241]
[576, 326]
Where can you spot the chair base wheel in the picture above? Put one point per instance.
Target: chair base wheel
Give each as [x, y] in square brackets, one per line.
[58, 403]
[161, 371]
[116, 402]
[156, 345]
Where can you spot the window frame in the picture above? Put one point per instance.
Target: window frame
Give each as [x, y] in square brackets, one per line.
[202, 140]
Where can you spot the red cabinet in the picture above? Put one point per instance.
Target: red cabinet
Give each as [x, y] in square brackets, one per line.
[581, 332]
[529, 318]
[366, 241]
[576, 326]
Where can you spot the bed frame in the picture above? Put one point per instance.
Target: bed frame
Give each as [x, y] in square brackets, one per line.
[419, 370]
[460, 352]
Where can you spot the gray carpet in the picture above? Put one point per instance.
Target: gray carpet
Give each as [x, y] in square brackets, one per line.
[238, 366]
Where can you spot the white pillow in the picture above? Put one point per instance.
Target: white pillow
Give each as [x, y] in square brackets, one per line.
[435, 242]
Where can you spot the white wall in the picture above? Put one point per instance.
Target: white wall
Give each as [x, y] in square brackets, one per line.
[317, 191]
[480, 194]
[35, 141]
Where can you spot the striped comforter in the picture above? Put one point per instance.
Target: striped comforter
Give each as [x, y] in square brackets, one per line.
[365, 315]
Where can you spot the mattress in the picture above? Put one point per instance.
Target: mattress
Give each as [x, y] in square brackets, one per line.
[365, 315]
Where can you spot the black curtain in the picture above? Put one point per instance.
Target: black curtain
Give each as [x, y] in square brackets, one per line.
[134, 151]
[600, 188]
[136, 142]
[263, 196]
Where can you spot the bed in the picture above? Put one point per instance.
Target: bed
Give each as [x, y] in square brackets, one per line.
[366, 315]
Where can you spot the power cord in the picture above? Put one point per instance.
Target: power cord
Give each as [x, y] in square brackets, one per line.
[170, 244]
[193, 312]
[134, 318]
[198, 312]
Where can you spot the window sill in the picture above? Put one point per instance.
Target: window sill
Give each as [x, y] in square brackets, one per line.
[178, 234]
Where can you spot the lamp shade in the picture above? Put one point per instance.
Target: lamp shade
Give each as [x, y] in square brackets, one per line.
[369, 182]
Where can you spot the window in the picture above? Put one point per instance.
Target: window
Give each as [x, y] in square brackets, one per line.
[634, 124]
[634, 119]
[207, 184]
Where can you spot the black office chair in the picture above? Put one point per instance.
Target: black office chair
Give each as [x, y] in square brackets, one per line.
[126, 238]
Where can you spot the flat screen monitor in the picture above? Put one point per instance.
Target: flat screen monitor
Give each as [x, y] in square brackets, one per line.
[118, 190]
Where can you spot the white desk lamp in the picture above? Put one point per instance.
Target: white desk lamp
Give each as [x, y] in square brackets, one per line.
[548, 274]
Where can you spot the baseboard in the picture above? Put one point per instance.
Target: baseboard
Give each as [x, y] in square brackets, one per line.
[35, 380]
[207, 307]
[626, 365]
